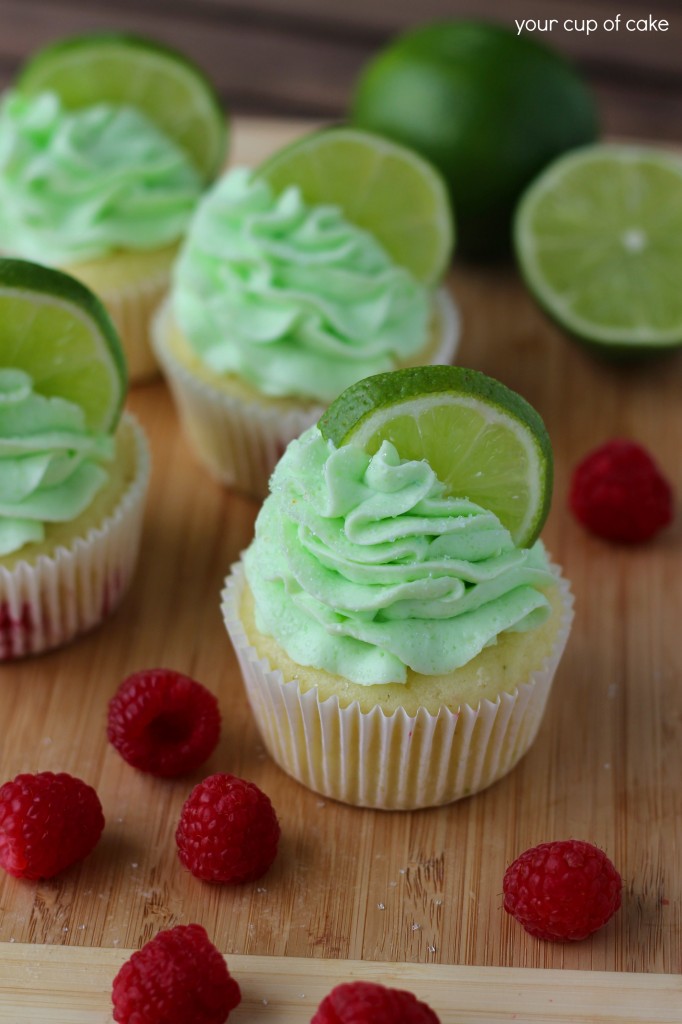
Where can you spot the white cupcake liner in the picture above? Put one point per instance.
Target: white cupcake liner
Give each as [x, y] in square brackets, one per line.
[397, 761]
[240, 441]
[132, 310]
[45, 604]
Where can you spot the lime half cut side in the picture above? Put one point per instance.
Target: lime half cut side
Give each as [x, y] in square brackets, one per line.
[483, 441]
[598, 238]
[58, 332]
[380, 186]
[127, 70]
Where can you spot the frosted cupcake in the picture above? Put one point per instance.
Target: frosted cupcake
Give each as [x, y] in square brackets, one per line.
[295, 281]
[396, 620]
[106, 144]
[73, 470]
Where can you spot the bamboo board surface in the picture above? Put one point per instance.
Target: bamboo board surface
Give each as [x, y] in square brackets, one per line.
[54, 985]
[350, 884]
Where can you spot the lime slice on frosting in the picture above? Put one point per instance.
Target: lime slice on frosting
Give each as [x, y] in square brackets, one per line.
[483, 441]
[379, 185]
[598, 238]
[58, 332]
[127, 70]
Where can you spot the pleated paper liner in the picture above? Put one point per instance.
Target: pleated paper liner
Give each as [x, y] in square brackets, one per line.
[46, 604]
[397, 761]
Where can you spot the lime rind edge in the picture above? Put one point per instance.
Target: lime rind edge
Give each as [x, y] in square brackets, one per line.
[63, 48]
[469, 384]
[50, 285]
[447, 224]
[546, 296]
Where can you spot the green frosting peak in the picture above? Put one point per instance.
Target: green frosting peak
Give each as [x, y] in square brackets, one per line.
[77, 184]
[49, 462]
[362, 566]
[293, 298]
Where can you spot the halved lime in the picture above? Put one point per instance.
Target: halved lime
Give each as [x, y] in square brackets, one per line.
[58, 332]
[484, 442]
[125, 69]
[598, 238]
[385, 188]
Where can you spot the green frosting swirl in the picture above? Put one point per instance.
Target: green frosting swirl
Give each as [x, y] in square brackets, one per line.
[362, 567]
[75, 185]
[49, 461]
[292, 298]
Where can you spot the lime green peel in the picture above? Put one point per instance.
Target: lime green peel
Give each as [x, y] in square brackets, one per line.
[598, 239]
[59, 333]
[379, 185]
[125, 69]
[484, 441]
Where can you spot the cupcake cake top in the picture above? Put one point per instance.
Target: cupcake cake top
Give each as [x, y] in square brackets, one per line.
[308, 274]
[368, 562]
[96, 153]
[62, 383]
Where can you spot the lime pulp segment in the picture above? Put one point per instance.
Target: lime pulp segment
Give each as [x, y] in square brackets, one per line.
[484, 442]
[112, 68]
[382, 187]
[55, 330]
[599, 242]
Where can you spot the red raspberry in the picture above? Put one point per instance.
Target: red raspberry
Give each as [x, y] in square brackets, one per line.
[163, 722]
[563, 890]
[363, 1002]
[177, 978]
[618, 493]
[228, 831]
[47, 823]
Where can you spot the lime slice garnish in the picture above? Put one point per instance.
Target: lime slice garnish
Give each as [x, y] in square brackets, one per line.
[385, 188]
[483, 441]
[599, 241]
[59, 333]
[123, 69]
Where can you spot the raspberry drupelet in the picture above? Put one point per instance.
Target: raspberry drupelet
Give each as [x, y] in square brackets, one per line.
[228, 831]
[364, 1002]
[177, 978]
[619, 493]
[562, 891]
[163, 722]
[47, 823]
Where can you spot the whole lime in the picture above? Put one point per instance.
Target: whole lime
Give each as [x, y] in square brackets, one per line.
[488, 107]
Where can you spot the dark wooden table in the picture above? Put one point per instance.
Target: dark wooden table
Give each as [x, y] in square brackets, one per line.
[301, 57]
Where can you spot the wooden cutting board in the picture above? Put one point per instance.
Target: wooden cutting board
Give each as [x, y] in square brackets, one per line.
[58, 985]
[352, 885]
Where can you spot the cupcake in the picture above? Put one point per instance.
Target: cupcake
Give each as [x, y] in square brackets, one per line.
[397, 620]
[296, 280]
[73, 469]
[106, 144]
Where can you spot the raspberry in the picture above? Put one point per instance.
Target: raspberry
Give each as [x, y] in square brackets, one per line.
[228, 831]
[363, 1002]
[47, 823]
[163, 722]
[618, 493]
[563, 890]
[177, 978]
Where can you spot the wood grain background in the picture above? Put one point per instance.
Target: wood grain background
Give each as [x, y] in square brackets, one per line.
[422, 887]
[301, 57]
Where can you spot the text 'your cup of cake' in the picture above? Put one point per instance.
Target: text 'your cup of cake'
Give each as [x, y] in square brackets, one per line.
[321, 267]
[396, 618]
[74, 469]
[107, 142]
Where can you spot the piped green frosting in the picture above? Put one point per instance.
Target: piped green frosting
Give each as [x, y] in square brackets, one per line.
[362, 566]
[50, 463]
[78, 184]
[293, 298]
